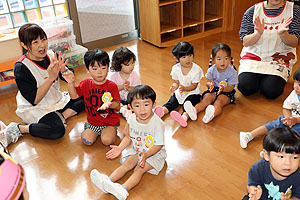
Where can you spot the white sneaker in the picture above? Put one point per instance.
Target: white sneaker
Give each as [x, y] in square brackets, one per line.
[245, 138]
[209, 114]
[190, 110]
[12, 133]
[98, 179]
[115, 189]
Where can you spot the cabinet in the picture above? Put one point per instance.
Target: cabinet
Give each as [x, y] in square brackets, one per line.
[166, 22]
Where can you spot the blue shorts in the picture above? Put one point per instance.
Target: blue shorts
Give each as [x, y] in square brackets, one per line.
[279, 124]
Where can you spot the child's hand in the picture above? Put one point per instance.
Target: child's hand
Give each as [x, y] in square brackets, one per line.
[126, 85]
[284, 25]
[104, 106]
[143, 159]
[69, 77]
[289, 121]
[114, 152]
[256, 193]
[221, 89]
[283, 196]
[259, 25]
[172, 89]
[212, 85]
[181, 88]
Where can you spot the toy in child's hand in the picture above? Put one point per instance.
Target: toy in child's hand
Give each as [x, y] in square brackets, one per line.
[212, 85]
[221, 88]
[66, 72]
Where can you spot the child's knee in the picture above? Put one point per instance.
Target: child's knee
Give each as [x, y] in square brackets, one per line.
[86, 141]
[108, 140]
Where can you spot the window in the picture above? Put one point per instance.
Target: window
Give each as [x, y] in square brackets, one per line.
[15, 13]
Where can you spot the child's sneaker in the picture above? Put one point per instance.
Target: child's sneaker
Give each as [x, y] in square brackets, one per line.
[245, 138]
[190, 110]
[177, 117]
[115, 189]
[98, 178]
[159, 111]
[209, 114]
[13, 133]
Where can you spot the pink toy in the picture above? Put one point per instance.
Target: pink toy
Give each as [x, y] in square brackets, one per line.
[12, 178]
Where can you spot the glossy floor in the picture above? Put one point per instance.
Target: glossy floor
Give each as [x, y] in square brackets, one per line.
[205, 161]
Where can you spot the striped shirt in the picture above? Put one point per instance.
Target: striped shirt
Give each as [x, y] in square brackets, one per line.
[247, 25]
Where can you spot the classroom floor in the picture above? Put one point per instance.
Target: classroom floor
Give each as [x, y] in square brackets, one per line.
[205, 161]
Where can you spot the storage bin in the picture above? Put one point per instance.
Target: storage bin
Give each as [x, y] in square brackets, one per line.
[57, 28]
[7, 75]
[10, 45]
[64, 45]
[76, 57]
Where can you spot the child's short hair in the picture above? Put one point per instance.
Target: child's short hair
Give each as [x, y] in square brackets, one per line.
[29, 32]
[297, 75]
[282, 140]
[96, 55]
[122, 55]
[218, 47]
[182, 49]
[141, 92]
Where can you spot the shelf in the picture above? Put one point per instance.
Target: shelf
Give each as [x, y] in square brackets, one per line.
[7, 65]
[192, 30]
[170, 17]
[11, 81]
[167, 2]
[187, 22]
[213, 9]
[193, 10]
[213, 25]
[212, 17]
[171, 36]
[166, 22]
[165, 28]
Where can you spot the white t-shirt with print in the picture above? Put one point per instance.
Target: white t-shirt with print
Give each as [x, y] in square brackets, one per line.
[145, 136]
[292, 103]
[194, 76]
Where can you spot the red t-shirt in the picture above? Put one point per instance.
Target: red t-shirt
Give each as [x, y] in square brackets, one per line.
[94, 95]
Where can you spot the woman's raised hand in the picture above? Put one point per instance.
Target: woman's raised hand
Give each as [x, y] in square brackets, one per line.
[61, 61]
[259, 25]
[284, 25]
[53, 69]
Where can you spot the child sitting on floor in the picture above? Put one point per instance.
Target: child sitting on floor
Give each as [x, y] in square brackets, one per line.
[101, 98]
[290, 117]
[277, 175]
[221, 80]
[186, 77]
[122, 64]
[144, 139]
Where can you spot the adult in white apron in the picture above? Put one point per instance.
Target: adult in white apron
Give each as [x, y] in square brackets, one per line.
[270, 32]
[40, 103]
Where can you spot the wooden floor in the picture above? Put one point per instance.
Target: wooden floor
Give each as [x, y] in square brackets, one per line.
[205, 161]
